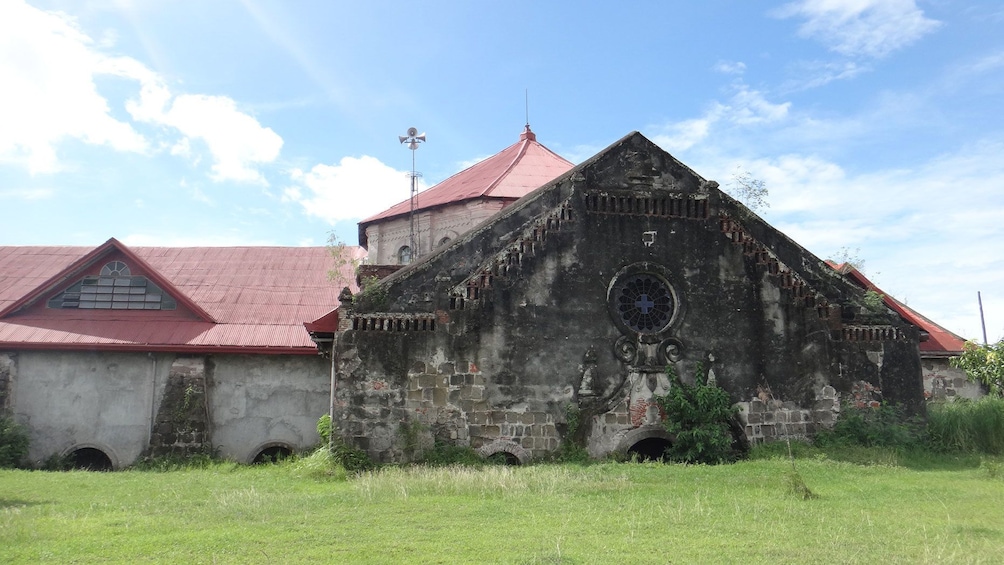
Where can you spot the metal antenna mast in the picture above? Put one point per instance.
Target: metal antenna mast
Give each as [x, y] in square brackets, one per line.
[412, 139]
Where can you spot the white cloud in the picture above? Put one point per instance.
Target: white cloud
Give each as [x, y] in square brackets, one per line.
[687, 133]
[987, 63]
[27, 193]
[747, 107]
[352, 189]
[750, 107]
[730, 67]
[814, 74]
[236, 140]
[48, 67]
[870, 28]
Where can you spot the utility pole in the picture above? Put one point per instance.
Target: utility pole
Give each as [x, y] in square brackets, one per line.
[979, 299]
[412, 139]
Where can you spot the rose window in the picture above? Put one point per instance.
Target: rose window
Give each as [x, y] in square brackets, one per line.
[644, 302]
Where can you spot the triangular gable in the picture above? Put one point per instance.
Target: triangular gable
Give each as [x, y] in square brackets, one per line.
[631, 177]
[78, 268]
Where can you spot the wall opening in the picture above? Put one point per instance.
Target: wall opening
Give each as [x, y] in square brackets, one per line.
[272, 454]
[504, 452]
[91, 459]
[504, 458]
[649, 449]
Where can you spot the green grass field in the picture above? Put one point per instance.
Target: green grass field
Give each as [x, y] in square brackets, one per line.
[949, 510]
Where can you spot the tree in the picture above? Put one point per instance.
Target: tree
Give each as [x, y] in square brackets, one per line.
[750, 191]
[849, 256]
[699, 417]
[342, 256]
[983, 364]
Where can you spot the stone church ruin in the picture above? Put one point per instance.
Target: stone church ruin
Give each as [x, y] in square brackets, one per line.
[579, 295]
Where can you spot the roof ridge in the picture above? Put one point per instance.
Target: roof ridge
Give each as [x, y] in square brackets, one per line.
[524, 143]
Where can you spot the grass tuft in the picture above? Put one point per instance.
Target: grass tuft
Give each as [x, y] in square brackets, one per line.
[319, 465]
[967, 426]
[796, 485]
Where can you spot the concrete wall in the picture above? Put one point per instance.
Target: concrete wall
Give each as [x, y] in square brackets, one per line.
[70, 400]
[117, 402]
[257, 401]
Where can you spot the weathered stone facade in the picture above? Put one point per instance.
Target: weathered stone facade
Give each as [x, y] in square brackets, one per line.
[577, 297]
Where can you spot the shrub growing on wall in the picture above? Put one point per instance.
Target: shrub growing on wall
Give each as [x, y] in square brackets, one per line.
[13, 443]
[983, 364]
[700, 417]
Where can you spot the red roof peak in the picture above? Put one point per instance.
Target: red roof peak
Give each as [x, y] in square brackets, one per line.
[77, 267]
[510, 174]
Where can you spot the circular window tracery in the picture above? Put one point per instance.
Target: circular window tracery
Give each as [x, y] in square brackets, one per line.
[115, 269]
[644, 302]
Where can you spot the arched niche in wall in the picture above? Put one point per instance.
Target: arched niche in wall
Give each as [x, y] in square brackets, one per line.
[91, 457]
[270, 452]
[512, 452]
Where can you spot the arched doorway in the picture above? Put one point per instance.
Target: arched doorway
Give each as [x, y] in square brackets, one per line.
[90, 459]
[272, 454]
[647, 443]
[649, 449]
[503, 458]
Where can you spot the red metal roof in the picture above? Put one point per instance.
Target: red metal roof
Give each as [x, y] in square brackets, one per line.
[510, 174]
[253, 299]
[940, 343]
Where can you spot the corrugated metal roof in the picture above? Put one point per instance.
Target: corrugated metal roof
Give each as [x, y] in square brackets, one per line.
[510, 174]
[940, 343]
[259, 297]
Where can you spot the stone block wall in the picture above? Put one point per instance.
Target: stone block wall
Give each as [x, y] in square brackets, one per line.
[452, 402]
[767, 419]
[182, 423]
[608, 428]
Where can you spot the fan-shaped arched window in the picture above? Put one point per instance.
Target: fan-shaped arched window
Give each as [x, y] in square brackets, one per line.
[115, 269]
[114, 289]
[404, 255]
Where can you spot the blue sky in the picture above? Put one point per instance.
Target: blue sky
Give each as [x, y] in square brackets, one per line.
[877, 126]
